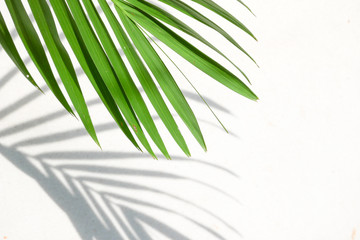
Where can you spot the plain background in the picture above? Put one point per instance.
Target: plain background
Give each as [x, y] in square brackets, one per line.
[290, 169]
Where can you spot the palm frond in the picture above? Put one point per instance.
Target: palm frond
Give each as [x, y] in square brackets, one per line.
[89, 38]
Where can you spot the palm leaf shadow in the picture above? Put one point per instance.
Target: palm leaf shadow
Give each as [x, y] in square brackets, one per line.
[79, 199]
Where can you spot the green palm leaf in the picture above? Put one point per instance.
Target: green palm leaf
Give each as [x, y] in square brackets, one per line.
[91, 43]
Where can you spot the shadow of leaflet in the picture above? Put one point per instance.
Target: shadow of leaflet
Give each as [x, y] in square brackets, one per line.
[77, 197]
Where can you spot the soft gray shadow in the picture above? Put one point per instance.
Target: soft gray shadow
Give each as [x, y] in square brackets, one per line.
[76, 197]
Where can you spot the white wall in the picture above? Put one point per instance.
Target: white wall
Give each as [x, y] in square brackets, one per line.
[290, 169]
